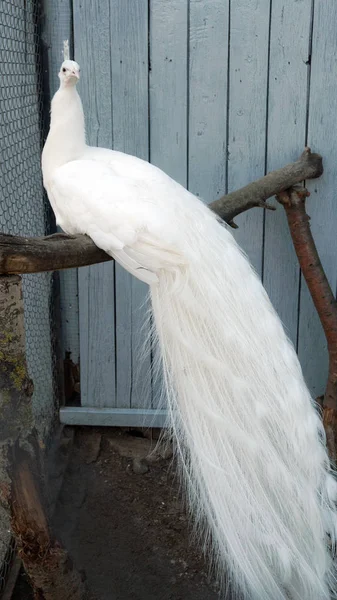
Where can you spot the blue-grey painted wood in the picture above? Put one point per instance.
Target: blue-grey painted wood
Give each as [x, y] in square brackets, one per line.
[97, 327]
[96, 283]
[208, 54]
[321, 206]
[248, 74]
[129, 68]
[288, 72]
[113, 417]
[168, 87]
[168, 30]
[57, 27]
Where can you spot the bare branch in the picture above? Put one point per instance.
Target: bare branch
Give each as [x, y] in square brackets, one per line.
[308, 166]
[60, 251]
[325, 303]
[55, 252]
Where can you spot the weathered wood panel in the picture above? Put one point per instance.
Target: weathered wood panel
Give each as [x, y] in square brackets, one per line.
[207, 108]
[248, 75]
[322, 204]
[168, 29]
[96, 283]
[129, 68]
[168, 87]
[287, 99]
[113, 417]
[97, 326]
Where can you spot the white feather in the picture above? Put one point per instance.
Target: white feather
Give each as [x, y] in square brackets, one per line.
[250, 442]
[66, 50]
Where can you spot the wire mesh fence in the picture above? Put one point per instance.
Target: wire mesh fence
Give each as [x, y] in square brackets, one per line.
[9, 553]
[23, 209]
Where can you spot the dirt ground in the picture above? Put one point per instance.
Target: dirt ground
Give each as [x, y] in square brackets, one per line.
[121, 518]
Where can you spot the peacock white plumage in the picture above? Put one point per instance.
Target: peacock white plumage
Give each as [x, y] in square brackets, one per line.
[249, 439]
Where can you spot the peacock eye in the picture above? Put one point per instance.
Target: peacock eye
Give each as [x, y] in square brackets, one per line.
[64, 70]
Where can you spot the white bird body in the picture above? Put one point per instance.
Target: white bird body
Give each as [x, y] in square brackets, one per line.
[249, 439]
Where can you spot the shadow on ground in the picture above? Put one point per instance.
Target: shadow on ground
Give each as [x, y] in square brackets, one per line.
[121, 518]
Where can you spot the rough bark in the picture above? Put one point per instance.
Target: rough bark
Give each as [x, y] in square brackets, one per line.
[21, 487]
[60, 251]
[325, 303]
[48, 565]
[54, 252]
[308, 166]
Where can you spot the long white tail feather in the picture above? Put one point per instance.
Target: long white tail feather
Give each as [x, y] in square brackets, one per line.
[249, 439]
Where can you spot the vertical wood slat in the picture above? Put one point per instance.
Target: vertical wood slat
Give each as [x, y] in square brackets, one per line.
[168, 29]
[57, 27]
[129, 67]
[208, 57]
[96, 283]
[97, 326]
[321, 206]
[248, 74]
[168, 87]
[288, 72]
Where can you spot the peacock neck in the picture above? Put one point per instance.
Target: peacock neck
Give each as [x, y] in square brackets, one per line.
[66, 137]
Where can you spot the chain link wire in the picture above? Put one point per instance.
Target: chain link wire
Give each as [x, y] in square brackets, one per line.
[23, 209]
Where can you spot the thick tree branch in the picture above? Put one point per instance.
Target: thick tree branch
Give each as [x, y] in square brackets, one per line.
[32, 255]
[55, 252]
[308, 166]
[325, 303]
[22, 493]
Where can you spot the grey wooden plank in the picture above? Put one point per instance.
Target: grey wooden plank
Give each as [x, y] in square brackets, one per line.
[321, 206]
[168, 31]
[91, 43]
[96, 283]
[97, 329]
[129, 67]
[113, 417]
[70, 314]
[84, 309]
[57, 27]
[288, 72]
[248, 74]
[208, 57]
[168, 87]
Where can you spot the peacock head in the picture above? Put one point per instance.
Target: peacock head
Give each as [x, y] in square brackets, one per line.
[69, 73]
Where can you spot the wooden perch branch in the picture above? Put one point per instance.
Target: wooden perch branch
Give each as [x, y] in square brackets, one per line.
[325, 303]
[308, 166]
[60, 251]
[55, 252]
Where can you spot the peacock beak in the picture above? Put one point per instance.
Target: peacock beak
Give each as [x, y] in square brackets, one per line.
[76, 74]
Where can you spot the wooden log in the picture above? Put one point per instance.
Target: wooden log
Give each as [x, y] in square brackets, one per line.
[21, 487]
[55, 252]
